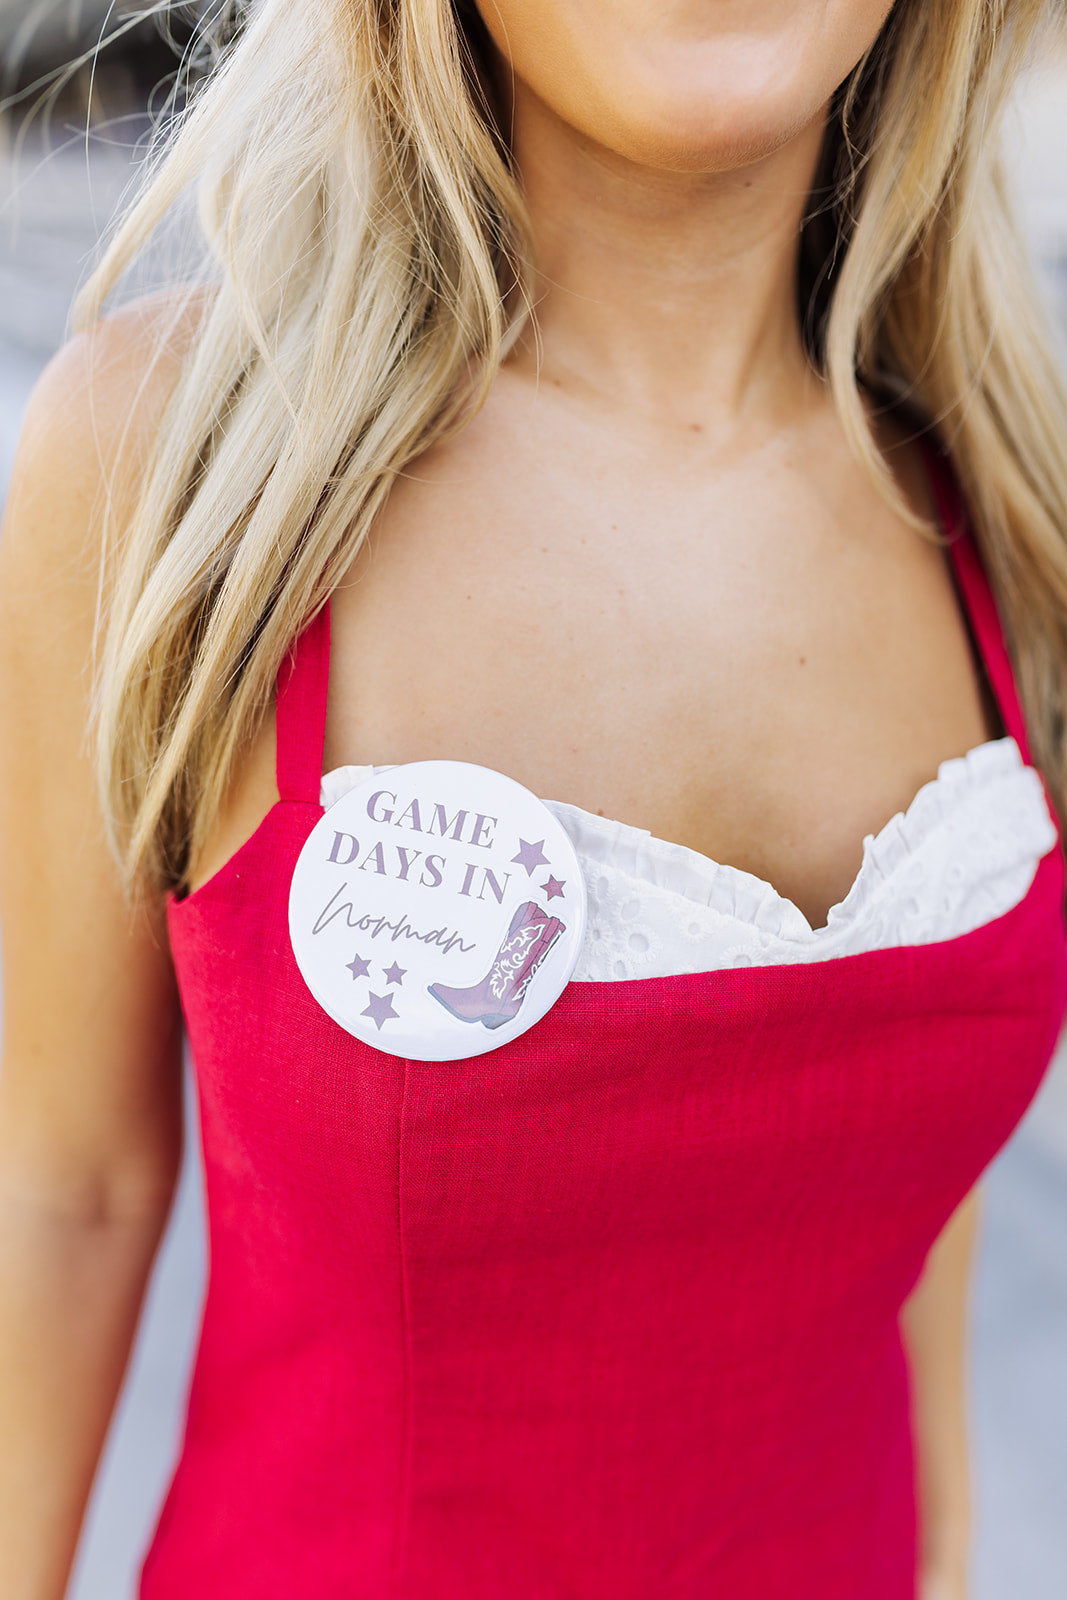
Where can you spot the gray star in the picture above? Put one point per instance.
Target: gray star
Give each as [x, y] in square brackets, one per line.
[531, 856]
[395, 973]
[380, 1010]
[358, 967]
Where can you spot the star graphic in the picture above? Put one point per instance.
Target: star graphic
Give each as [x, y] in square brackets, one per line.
[531, 856]
[380, 1010]
[358, 967]
[394, 974]
[554, 887]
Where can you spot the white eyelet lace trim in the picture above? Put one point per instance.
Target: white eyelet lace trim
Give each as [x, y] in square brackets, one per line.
[963, 853]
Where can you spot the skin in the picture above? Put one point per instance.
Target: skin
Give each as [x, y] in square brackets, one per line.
[648, 579]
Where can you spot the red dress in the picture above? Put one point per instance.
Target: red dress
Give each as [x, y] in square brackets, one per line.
[610, 1313]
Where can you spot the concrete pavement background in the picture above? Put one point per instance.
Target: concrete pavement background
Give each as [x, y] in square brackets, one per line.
[50, 212]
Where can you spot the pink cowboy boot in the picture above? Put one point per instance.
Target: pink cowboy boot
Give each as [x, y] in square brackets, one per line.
[498, 997]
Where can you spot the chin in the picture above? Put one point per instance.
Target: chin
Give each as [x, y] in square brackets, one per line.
[709, 134]
[715, 106]
[706, 88]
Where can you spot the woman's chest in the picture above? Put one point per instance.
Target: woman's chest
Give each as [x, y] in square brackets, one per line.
[765, 695]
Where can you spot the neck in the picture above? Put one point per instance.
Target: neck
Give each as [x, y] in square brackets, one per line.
[664, 291]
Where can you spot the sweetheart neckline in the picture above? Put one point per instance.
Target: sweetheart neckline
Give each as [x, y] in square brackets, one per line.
[1000, 756]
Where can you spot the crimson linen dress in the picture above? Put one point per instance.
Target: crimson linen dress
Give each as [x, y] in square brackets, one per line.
[609, 1313]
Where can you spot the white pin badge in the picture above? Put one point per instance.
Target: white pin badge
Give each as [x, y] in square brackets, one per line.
[437, 910]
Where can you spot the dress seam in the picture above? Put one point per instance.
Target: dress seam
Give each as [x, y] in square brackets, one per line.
[404, 1470]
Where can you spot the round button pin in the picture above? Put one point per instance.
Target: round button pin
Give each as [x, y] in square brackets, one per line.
[437, 910]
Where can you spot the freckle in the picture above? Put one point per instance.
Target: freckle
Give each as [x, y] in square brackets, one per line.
[696, 427]
[803, 660]
[599, 813]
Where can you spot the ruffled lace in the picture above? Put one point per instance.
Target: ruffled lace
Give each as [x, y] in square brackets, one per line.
[963, 853]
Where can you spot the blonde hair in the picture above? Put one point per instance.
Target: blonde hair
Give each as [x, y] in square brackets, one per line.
[367, 236]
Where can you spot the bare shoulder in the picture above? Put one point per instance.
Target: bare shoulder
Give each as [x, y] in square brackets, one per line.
[87, 434]
[128, 358]
[97, 408]
[105, 1091]
[86, 438]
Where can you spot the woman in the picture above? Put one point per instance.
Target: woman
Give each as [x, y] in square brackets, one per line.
[575, 388]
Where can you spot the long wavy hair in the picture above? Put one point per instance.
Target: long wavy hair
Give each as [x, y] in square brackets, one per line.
[366, 242]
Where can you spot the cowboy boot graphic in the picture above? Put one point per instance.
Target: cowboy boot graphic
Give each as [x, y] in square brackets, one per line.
[497, 998]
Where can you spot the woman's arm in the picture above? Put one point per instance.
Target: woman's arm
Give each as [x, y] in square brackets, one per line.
[935, 1323]
[90, 1079]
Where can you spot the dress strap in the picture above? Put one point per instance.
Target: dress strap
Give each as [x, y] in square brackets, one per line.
[977, 595]
[303, 683]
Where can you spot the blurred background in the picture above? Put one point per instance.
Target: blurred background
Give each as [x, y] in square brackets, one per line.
[63, 172]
